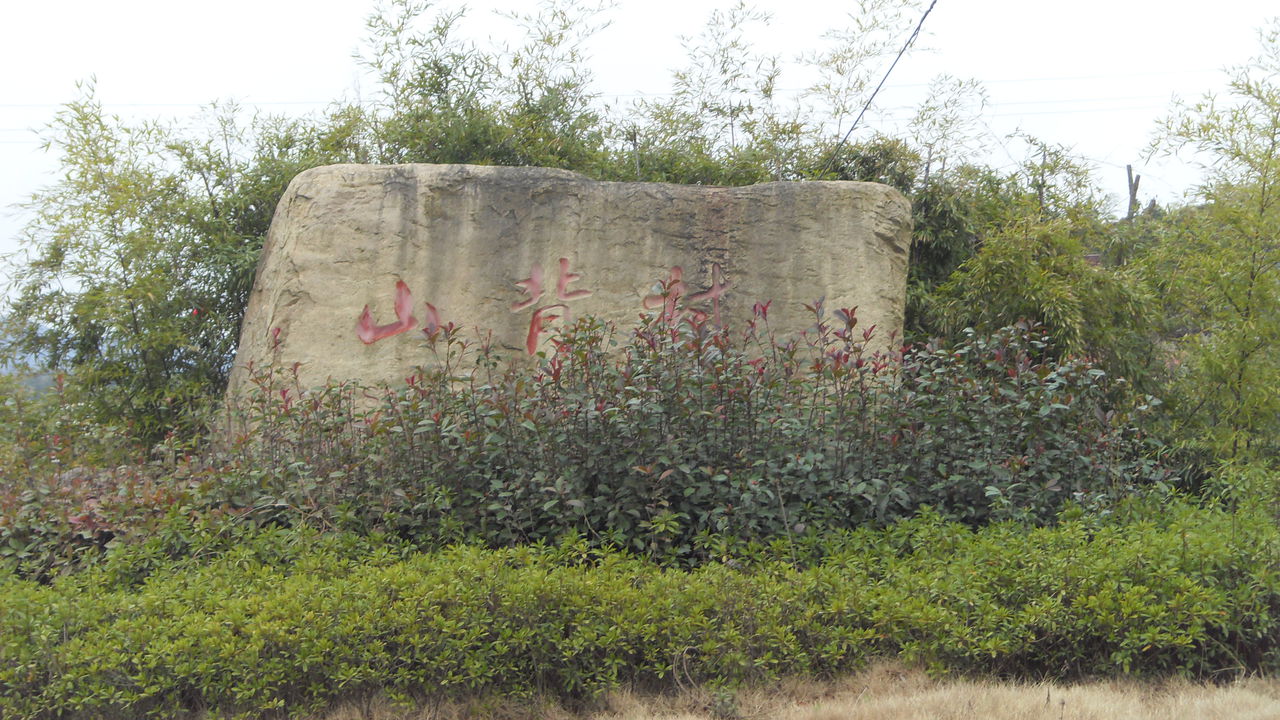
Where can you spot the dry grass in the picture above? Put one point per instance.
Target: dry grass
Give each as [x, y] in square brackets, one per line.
[887, 692]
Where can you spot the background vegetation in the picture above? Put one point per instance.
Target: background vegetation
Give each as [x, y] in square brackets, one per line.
[666, 503]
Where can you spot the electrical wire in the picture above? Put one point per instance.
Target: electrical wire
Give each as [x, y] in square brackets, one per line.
[914, 34]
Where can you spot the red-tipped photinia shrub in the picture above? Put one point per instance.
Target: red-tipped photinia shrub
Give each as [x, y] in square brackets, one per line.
[685, 431]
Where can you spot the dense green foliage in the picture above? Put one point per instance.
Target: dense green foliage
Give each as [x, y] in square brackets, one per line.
[1038, 271]
[681, 445]
[143, 256]
[685, 432]
[1218, 268]
[281, 621]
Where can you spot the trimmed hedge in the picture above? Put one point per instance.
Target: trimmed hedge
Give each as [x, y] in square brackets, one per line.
[289, 621]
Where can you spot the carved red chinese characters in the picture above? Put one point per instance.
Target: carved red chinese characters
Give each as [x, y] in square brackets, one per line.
[533, 287]
[370, 333]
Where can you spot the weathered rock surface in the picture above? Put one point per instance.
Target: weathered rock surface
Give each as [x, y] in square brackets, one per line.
[512, 250]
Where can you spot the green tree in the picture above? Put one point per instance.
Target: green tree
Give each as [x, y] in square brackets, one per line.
[445, 100]
[1038, 271]
[991, 248]
[1219, 266]
[106, 287]
[140, 256]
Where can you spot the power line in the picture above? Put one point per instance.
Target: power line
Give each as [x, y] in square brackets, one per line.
[914, 34]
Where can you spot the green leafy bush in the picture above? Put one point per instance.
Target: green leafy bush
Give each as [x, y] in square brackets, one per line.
[291, 620]
[682, 444]
[1038, 270]
[687, 433]
[68, 485]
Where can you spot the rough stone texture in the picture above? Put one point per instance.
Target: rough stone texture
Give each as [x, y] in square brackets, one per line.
[466, 239]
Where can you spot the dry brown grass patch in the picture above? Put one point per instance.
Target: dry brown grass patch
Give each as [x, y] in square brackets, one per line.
[884, 692]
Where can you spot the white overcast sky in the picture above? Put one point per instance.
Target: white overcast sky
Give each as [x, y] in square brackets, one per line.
[1092, 74]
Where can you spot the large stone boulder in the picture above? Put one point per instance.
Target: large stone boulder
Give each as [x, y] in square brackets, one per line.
[361, 259]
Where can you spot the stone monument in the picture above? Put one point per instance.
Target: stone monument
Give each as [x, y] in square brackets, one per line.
[362, 260]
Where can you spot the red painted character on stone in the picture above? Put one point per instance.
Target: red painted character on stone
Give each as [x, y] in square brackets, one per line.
[533, 287]
[370, 333]
[675, 289]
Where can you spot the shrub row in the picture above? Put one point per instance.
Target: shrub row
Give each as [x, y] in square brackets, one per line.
[679, 443]
[682, 431]
[288, 621]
